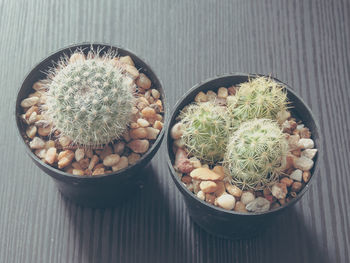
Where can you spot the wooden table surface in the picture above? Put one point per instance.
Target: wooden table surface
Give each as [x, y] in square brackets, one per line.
[303, 43]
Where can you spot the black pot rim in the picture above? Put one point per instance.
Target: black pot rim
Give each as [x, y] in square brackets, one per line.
[187, 192]
[62, 174]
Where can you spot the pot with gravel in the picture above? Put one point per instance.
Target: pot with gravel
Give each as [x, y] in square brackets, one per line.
[242, 149]
[91, 116]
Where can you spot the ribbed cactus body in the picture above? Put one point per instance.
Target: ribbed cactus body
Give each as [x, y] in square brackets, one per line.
[205, 131]
[254, 154]
[260, 97]
[90, 100]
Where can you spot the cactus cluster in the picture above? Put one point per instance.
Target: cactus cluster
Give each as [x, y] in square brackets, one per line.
[245, 136]
[205, 131]
[254, 154]
[89, 99]
[260, 97]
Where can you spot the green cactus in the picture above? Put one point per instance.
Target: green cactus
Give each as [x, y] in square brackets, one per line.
[260, 97]
[89, 99]
[254, 154]
[205, 131]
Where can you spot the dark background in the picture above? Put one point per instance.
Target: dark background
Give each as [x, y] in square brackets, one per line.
[303, 43]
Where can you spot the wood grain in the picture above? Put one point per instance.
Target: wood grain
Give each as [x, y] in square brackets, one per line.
[303, 43]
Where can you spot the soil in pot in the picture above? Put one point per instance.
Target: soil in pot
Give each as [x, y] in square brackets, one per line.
[240, 147]
[93, 114]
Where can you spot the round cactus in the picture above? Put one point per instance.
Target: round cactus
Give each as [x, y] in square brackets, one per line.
[260, 97]
[89, 99]
[254, 154]
[205, 131]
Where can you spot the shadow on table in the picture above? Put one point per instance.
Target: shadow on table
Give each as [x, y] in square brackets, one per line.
[153, 228]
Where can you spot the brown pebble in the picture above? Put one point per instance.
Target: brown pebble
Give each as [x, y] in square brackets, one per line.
[78, 172]
[148, 112]
[84, 163]
[306, 176]
[240, 207]
[220, 188]
[296, 186]
[139, 133]
[65, 158]
[139, 146]
[143, 81]
[205, 174]
[287, 181]
[210, 198]
[186, 179]
[233, 190]
[98, 171]
[93, 162]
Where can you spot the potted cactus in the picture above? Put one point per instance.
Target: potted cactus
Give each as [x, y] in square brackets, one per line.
[91, 120]
[242, 148]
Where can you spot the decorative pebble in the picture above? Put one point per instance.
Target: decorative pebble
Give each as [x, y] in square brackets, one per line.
[152, 133]
[64, 141]
[37, 143]
[219, 170]
[306, 176]
[309, 153]
[279, 190]
[107, 150]
[139, 146]
[79, 154]
[93, 162]
[287, 181]
[195, 162]
[111, 160]
[222, 93]
[139, 133]
[28, 102]
[50, 156]
[78, 172]
[182, 163]
[143, 82]
[247, 197]
[258, 205]
[233, 190]
[176, 131]
[201, 97]
[306, 143]
[211, 95]
[205, 174]
[226, 201]
[31, 131]
[220, 188]
[296, 186]
[41, 153]
[119, 147]
[303, 163]
[240, 207]
[208, 186]
[155, 94]
[143, 123]
[65, 158]
[133, 158]
[210, 198]
[201, 195]
[123, 163]
[297, 175]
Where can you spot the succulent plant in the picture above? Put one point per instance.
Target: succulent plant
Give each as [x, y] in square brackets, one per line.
[89, 99]
[260, 97]
[254, 154]
[205, 131]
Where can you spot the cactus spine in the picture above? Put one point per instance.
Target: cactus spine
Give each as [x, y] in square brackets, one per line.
[254, 155]
[205, 131]
[260, 97]
[90, 100]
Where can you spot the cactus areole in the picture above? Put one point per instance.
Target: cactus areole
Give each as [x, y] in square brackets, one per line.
[90, 99]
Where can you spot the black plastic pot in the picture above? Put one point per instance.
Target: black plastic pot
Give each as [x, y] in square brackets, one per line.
[101, 190]
[218, 221]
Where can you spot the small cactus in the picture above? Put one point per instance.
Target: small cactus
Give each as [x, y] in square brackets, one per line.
[90, 99]
[205, 131]
[260, 97]
[254, 155]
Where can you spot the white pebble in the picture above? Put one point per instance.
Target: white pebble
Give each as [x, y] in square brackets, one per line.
[64, 141]
[143, 123]
[152, 133]
[201, 195]
[226, 201]
[28, 102]
[306, 143]
[79, 154]
[258, 205]
[37, 143]
[32, 117]
[297, 175]
[303, 163]
[41, 153]
[309, 153]
[247, 197]
[31, 131]
[176, 131]
[155, 94]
